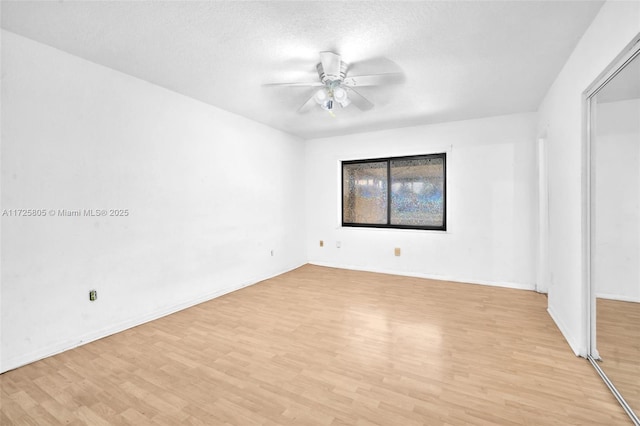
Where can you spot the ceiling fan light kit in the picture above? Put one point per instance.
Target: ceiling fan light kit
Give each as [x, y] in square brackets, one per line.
[332, 93]
[337, 88]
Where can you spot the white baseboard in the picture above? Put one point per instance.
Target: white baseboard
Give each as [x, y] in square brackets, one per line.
[618, 297]
[519, 286]
[577, 349]
[61, 346]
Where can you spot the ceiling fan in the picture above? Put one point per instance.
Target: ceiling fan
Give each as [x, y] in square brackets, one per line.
[337, 87]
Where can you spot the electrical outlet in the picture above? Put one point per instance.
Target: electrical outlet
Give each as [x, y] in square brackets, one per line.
[321, 243]
[93, 295]
[396, 251]
[338, 244]
[272, 252]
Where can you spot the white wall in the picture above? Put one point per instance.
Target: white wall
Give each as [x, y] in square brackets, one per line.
[491, 203]
[615, 247]
[209, 195]
[560, 118]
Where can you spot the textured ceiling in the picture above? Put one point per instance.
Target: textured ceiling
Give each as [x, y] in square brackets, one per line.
[460, 59]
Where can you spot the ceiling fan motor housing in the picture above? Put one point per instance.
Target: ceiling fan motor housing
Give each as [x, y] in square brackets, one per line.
[327, 78]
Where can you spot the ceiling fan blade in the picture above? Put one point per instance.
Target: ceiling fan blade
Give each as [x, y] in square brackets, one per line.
[330, 64]
[306, 107]
[374, 79]
[359, 101]
[314, 84]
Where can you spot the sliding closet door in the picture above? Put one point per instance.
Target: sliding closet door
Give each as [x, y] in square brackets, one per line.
[615, 231]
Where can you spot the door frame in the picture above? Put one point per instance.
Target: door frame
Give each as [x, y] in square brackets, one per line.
[542, 275]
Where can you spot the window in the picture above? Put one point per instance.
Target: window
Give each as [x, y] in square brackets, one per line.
[399, 192]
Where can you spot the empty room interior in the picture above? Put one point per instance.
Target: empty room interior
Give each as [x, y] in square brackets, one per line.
[320, 213]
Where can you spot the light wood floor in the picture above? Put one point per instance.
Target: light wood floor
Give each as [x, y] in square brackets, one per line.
[322, 346]
[618, 343]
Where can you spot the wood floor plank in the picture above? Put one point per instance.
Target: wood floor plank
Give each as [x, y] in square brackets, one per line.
[324, 346]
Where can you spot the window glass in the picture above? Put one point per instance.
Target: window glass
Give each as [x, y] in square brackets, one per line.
[365, 193]
[417, 192]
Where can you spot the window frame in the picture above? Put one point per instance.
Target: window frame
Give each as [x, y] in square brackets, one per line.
[388, 160]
